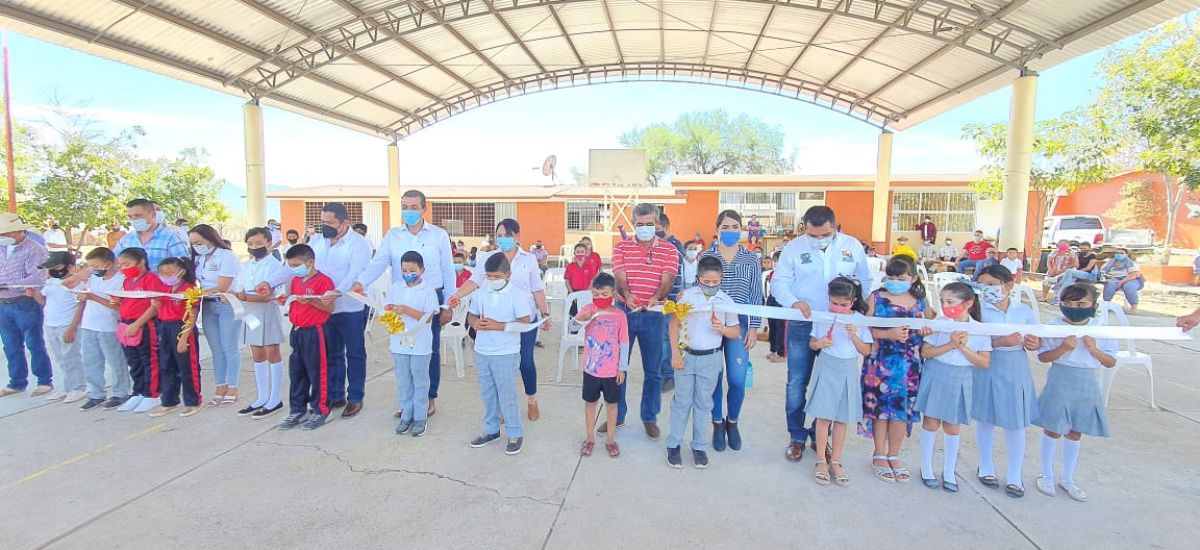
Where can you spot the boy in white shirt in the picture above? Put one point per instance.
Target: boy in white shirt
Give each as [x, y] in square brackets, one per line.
[697, 361]
[1012, 260]
[97, 321]
[59, 316]
[498, 352]
[691, 254]
[414, 302]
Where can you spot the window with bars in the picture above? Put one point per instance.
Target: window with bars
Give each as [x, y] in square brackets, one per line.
[949, 211]
[312, 212]
[467, 219]
[776, 211]
[586, 216]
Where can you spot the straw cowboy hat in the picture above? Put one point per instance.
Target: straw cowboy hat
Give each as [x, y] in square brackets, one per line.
[12, 222]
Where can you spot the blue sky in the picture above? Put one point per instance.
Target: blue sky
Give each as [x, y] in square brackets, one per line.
[498, 144]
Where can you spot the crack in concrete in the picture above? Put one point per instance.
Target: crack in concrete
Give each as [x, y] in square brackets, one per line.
[380, 471]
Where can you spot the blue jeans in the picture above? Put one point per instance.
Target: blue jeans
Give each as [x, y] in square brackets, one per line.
[962, 267]
[435, 360]
[668, 373]
[528, 369]
[347, 347]
[694, 397]
[799, 370]
[412, 385]
[21, 328]
[498, 389]
[736, 359]
[101, 350]
[1072, 276]
[1130, 289]
[645, 327]
[222, 332]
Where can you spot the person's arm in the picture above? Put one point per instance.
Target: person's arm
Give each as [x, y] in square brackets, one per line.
[1134, 273]
[380, 262]
[781, 281]
[863, 347]
[33, 275]
[147, 316]
[862, 271]
[358, 263]
[446, 264]
[930, 351]
[756, 298]
[1063, 348]
[1099, 354]
[1189, 321]
[673, 334]
[978, 358]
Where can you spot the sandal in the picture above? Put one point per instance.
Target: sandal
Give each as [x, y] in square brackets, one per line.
[883, 473]
[822, 478]
[901, 473]
[613, 450]
[227, 400]
[840, 478]
[988, 480]
[586, 448]
[1013, 490]
[217, 398]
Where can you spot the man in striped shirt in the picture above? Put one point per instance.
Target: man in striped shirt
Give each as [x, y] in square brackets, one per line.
[645, 269]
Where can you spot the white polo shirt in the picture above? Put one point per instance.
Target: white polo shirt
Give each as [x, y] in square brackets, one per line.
[421, 298]
[343, 262]
[1017, 314]
[431, 242]
[506, 305]
[1079, 357]
[256, 272]
[60, 304]
[843, 347]
[700, 334]
[803, 271]
[526, 275]
[96, 317]
[975, 342]
[221, 262]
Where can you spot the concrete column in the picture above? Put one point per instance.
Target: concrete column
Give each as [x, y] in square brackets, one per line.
[1015, 204]
[394, 191]
[256, 186]
[883, 186]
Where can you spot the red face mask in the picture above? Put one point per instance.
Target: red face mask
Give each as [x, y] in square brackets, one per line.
[603, 303]
[834, 308]
[131, 272]
[954, 312]
[580, 257]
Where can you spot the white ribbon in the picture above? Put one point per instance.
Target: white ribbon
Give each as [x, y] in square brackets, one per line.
[239, 310]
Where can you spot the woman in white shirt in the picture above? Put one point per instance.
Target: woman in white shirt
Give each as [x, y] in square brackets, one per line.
[216, 268]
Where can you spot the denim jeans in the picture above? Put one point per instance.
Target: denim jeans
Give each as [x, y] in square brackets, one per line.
[346, 342]
[694, 396]
[21, 328]
[100, 351]
[65, 359]
[645, 327]
[412, 385]
[1130, 290]
[498, 390]
[222, 332]
[799, 370]
[668, 373]
[435, 360]
[528, 368]
[1071, 276]
[736, 360]
[964, 264]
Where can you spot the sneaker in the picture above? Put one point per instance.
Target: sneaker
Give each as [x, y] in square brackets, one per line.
[263, 412]
[337, 404]
[700, 459]
[130, 403]
[484, 439]
[115, 402]
[603, 429]
[1073, 491]
[249, 410]
[315, 421]
[92, 404]
[292, 421]
[652, 430]
[7, 391]
[160, 411]
[147, 404]
[74, 396]
[1045, 486]
[41, 390]
[419, 428]
[403, 427]
[189, 411]
[673, 458]
[514, 445]
[56, 395]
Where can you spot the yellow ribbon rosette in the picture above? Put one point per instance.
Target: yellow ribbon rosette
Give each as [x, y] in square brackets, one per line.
[191, 297]
[393, 322]
[680, 311]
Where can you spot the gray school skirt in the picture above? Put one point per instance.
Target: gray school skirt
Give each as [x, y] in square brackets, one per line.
[1071, 401]
[1003, 394]
[945, 392]
[835, 392]
[270, 332]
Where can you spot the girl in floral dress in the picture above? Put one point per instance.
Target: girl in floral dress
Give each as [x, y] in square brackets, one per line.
[892, 372]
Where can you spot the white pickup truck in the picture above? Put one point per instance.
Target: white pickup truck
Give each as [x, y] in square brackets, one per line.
[1091, 229]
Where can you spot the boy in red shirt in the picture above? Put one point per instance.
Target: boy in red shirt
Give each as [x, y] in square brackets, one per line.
[308, 366]
[138, 336]
[462, 274]
[179, 366]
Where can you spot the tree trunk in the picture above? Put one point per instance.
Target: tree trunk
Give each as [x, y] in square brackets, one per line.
[1174, 195]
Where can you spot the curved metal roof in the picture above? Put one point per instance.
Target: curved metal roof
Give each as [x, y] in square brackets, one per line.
[392, 67]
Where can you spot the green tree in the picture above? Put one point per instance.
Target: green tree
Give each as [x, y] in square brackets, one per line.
[1138, 208]
[711, 142]
[1069, 152]
[1151, 97]
[184, 186]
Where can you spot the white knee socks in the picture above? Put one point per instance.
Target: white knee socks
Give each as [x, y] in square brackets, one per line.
[950, 456]
[1014, 454]
[985, 437]
[1049, 448]
[276, 385]
[928, 440]
[1070, 458]
[262, 381]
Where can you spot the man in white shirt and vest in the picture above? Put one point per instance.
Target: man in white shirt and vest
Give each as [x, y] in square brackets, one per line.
[801, 281]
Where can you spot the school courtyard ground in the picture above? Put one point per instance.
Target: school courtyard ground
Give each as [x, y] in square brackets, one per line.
[116, 480]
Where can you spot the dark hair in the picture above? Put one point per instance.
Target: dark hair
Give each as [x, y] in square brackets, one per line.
[604, 280]
[414, 193]
[996, 271]
[819, 215]
[301, 251]
[1076, 292]
[101, 253]
[210, 234]
[358, 226]
[1011, 249]
[413, 257]
[189, 269]
[144, 203]
[845, 287]
[664, 220]
[460, 255]
[260, 231]
[580, 245]
[964, 292]
[138, 255]
[728, 214]
[337, 209]
[510, 226]
[708, 264]
[290, 231]
[903, 265]
[497, 263]
[180, 220]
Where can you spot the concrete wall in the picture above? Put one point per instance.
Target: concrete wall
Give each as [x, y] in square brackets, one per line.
[1098, 199]
[546, 221]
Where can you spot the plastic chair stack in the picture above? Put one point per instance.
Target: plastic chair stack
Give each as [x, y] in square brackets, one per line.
[571, 341]
[455, 333]
[1127, 354]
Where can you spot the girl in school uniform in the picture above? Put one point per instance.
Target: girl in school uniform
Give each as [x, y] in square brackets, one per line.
[836, 394]
[135, 331]
[178, 363]
[945, 393]
[1070, 402]
[1003, 394]
[255, 287]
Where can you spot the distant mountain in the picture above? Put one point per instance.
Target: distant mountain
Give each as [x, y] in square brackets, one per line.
[234, 198]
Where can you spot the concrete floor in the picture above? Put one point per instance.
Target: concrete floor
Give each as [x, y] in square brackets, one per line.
[70, 479]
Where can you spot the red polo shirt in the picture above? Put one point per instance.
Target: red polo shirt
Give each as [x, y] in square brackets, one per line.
[977, 250]
[171, 309]
[579, 278]
[132, 308]
[644, 267]
[303, 314]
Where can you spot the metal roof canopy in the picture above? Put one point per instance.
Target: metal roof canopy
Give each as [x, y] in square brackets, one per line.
[390, 68]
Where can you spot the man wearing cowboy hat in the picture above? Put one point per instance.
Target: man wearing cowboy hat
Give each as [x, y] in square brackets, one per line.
[21, 258]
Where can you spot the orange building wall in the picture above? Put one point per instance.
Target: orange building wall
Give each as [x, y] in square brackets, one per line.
[1098, 199]
[853, 210]
[291, 216]
[545, 221]
[699, 213]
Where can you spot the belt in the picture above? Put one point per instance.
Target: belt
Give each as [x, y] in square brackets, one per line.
[14, 300]
[701, 352]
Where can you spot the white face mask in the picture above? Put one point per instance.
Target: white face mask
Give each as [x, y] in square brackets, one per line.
[496, 285]
[644, 232]
[7, 241]
[821, 242]
[202, 249]
[691, 254]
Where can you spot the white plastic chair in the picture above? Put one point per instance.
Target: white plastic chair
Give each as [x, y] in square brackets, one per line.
[946, 277]
[556, 286]
[571, 342]
[1022, 293]
[377, 295]
[1127, 354]
[566, 253]
[455, 333]
[921, 272]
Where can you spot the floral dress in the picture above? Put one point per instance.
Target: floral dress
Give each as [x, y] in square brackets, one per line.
[891, 373]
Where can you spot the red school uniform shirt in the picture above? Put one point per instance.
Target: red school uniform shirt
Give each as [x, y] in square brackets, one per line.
[133, 308]
[579, 277]
[594, 262]
[977, 250]
[462, 277]
[173, 309]
[303, 314]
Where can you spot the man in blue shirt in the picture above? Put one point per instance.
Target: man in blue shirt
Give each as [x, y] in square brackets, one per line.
[150, 234]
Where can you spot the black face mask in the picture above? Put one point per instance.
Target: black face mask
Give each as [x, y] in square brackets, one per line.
[259, 253]
[99, 272]
[329, 231]
[292, 240]
[58, 273]
[1077, 314]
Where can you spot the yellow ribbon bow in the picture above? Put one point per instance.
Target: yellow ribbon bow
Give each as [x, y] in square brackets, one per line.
[677, 309]
[393, 322]
[191, 297]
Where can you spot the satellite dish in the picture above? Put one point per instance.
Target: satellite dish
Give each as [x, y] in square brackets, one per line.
[548, 168]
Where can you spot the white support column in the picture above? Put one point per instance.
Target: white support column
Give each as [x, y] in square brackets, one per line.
[256, 186]
[394, 191]
[883, 186]
[1015, 204]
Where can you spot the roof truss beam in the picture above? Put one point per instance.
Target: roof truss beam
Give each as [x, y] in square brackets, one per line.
[439, 15]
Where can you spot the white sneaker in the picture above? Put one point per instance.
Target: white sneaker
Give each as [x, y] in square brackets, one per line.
[56, 395]
[74, 396]
[1045, 486]
[147, 404]
[1073, 491]
[132, 403]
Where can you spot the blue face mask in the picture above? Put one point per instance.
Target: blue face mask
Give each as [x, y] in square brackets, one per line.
[644, 232]
[1119, 257]
[139, 225]
[411, 217]
[506, 243]
[730, 238]
[300, 270]
[896, 287]
[410, 278]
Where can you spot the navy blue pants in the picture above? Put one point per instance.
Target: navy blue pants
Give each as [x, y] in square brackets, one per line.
[308, 370]
[346, 339]
[143, 361]
[435, 360]
[178, 371]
